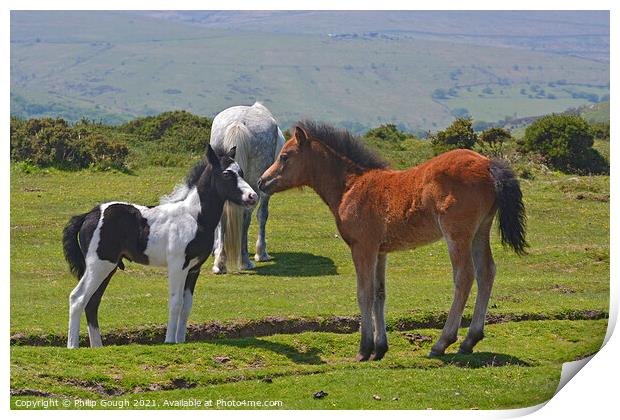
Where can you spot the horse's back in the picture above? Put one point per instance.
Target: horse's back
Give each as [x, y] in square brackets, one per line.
[407, 207]
[455, 183]
[461, 166]
[257, 118]
[263, 139]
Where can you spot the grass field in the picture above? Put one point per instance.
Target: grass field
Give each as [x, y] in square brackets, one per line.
[561, 286]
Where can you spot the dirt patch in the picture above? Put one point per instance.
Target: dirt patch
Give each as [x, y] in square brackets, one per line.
[26, 392]
[96, 387]
[562, 289]
[417, 339]
[178, 383]
[592, 196]
[281, 325]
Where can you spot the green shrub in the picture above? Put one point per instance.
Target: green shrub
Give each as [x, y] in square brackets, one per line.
[601, 131]
[387, 132]
[105, 153]
[53, 142]
[492, 141]
[174, 131]
[400, 148]
[459, 135]
[565, 141]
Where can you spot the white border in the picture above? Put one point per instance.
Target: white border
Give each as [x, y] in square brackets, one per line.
[592, 393]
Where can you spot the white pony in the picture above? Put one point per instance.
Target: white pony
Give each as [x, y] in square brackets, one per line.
[258, 139]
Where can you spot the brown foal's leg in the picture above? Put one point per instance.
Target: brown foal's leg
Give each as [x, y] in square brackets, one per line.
[463, 277]
[485, 274]
[365, 261]
[378, 308]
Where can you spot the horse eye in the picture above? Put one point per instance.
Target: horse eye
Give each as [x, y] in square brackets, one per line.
[226, 174]
[283, 158]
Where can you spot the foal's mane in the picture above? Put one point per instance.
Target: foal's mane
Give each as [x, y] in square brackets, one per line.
[343, 143]
[181, 191]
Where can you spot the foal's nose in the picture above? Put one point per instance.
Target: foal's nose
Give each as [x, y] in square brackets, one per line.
[252, 197]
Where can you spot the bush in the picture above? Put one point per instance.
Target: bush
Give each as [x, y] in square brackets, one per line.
[459, 135]
[53, 142]
[565, 141]
[387, 132]
[491, 141]
[600, 131]
[174, 131]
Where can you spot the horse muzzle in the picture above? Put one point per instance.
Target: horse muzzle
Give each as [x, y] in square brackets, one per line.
[265, 185]
[250, 200]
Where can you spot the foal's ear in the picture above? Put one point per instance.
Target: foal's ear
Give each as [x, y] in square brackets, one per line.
[231, 152]
[212, 157]
[300, 135]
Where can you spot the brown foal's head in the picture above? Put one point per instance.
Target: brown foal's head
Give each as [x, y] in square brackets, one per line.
[292, 166]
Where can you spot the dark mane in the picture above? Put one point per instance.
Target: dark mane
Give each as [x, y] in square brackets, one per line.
[343, 143]
[194, 175]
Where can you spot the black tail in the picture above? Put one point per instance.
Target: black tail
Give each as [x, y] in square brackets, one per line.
[73, 252]
[510, 206]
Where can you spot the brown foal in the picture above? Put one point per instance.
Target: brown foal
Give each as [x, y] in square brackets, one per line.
[378, 210]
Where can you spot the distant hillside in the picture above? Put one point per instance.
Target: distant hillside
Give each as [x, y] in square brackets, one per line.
[596, 113]
[418, 71]
[580, 34]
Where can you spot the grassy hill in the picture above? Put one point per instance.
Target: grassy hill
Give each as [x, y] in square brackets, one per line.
[115, 66]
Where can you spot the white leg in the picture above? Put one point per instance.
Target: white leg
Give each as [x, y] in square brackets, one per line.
[188, 300]
[219, 260]
[94, 335]
[176, 283]
[96, 272]
[262, 214]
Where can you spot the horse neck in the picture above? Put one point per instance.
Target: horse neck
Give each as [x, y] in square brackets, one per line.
[331, 178]
[211, 204]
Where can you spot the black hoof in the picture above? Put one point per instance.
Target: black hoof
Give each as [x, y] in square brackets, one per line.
[435, 353]
[465, 350]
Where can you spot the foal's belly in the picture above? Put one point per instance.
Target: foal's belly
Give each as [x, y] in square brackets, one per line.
[411, 234]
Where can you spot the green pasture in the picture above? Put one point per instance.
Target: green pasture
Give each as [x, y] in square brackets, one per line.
[310, 276]
[519, 100]
[517, 365]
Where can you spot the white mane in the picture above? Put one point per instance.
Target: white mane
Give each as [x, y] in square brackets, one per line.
[180, 193]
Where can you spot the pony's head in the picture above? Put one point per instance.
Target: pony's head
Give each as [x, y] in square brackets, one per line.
[227, 177]
[290, 169]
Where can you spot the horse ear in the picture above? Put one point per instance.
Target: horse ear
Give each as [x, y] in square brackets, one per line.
[232, 151]
[212, 157]
[300, 135]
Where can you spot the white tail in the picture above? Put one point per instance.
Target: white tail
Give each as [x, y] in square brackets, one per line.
[237, 134]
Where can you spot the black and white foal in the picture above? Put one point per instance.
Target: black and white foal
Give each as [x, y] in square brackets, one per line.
[178, 234]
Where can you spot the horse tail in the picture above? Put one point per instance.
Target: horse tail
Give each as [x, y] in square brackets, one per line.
[511, 210]
[237, 134]
[71, 247]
